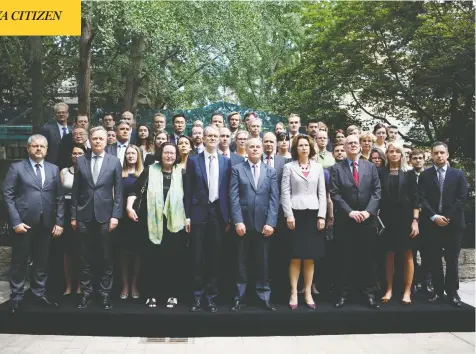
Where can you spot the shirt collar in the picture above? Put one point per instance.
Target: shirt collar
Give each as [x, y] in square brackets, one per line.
[62, 126]
[349, 161]
[265, 156]
[121, 144]
[33, 163]
[258, 164]
[102, 155]
[207, 154]
[445, 167]
[228, 152]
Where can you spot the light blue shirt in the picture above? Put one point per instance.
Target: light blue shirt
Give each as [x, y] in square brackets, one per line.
[349, 162]
[42, 169]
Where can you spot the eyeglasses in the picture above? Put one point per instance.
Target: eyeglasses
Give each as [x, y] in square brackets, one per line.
[417, 158]
[242, 139]
[352, 143]
[169, 153]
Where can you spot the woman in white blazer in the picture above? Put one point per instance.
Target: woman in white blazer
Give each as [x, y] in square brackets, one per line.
[304, 202]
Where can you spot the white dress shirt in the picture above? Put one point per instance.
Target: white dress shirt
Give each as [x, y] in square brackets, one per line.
[271, 160]
[121, 150]
[100, 161]
[212, 179]
[42, 169]
[60, 127]
[200, 148]
[228, 153]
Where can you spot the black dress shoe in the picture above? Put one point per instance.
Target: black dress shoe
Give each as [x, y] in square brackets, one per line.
[269, 306]
[372, 303]
[455, 300]
[43, 300]
[196, 307]
[237, 305]
[83, 302]
[106, 303]
[14, 306]
[212, 307]
[340, 302]
[436, 298]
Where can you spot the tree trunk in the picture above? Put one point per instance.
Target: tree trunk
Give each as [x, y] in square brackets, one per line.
[36, 44]
[133, 80]
[84, 73]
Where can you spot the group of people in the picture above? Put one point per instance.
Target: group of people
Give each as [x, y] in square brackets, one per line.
[250, 207]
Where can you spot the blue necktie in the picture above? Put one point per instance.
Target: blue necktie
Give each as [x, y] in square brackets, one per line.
[38, 174]
[65, 131]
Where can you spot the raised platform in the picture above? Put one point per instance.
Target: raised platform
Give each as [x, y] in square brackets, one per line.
[133, 319]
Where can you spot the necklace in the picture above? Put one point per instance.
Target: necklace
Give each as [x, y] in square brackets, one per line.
[167, 175]
[306, 167]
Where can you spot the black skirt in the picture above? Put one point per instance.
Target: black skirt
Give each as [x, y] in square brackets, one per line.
[305, 241]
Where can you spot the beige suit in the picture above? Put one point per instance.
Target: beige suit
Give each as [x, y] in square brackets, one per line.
[300, 193]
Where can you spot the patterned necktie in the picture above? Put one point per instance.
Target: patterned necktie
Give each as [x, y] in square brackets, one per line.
[268, 160]
[38, 174]
[96, 168]
[255, 177]
[65, 131]
[441, 182]
[355, 173]
[212, 181]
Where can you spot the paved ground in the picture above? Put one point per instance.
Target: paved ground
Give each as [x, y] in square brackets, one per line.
[417, 343]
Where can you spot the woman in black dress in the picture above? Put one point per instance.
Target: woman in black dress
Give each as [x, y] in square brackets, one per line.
[131, 170]
[399, 212]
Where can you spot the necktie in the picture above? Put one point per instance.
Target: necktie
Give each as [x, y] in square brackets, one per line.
[212, 180]
[441, 182]
[65, 131]
[96, 168]
[268, 160]
[225, 154]
[38, 174]
[255, 177]
[355, 173]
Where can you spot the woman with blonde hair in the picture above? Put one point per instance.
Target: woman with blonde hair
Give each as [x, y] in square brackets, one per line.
[130, 243]
[399, 212]
[367, 139]
[241, 138]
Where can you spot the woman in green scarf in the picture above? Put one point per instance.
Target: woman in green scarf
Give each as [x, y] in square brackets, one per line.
[162, 215]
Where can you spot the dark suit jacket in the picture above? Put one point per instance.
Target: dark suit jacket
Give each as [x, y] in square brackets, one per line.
[408, 198]
[51, 132]
[233, 146]
[196, 188]
[279, 163]
[254, 206]
[26, 199]
[102, 201]
[65, 149]
[236, 159]
[455, 193]
[347, 197]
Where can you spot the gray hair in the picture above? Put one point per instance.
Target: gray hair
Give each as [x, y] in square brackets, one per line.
[98, 129]
[239, 132]
[224, 128]
[270, 133]
[37, 137]
[123, 122]
[60, 104]
[210, 127]
[251, 141]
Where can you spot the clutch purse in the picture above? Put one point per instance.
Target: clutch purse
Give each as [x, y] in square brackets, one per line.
[139, 200]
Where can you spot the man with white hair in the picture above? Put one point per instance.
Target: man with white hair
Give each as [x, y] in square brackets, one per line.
[55, 131]
[207, 209]
[255, 128]
[35, 206]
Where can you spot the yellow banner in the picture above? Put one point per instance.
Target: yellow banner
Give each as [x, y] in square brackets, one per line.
[40, 17]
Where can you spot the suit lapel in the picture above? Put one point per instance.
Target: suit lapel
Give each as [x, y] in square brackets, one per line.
[103, 168]
[250, 175]
[87, 166]
[362, 169]
[221, 168]
[448, 177]
[201, 163]
[56, 132]
[346, 168]
[30, 170]
[298, 170]
[262, 175]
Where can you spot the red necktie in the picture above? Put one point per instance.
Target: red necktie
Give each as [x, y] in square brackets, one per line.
[355, 173]
[225, 154]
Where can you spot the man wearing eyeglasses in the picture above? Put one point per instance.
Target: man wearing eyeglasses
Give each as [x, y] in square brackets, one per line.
[78, 136]
[324, 157]
[55, 131]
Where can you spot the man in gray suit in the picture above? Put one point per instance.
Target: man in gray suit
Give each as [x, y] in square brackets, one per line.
[96, 206]
[254, 200]
[35, 206]
[355, 192]
[55, 131]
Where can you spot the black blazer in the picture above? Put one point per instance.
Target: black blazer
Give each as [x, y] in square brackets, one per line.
[347, 196]
[455, 194]
[65, 150]
[51, 132]
[103, 200]
[408, 198]
[279, 163]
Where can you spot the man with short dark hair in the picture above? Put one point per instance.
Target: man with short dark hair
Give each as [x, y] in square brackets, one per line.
[339, 153]
[179, 122]
[249, 116]
[392, 133]
[443, 193]
[234, 121]
[218, 120]
[79, 135]
[123, 133]
[197, 139]
[34, 203]
[55, 131]
[224, 147]
[294, 123]
[108, 122]
[160, 122]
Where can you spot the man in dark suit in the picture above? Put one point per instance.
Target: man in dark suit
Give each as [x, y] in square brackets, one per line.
[355, 191]
[271, 159]
[444, 191]
[96, 206]
[79, 136]
[123, 133]
[224, 147]
[207, 209]
[180, 123]
[55, 131]
[254, 200]
[197, 139]
[35, 205]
